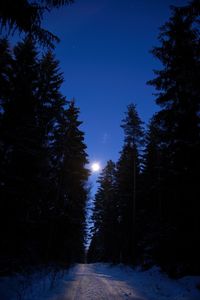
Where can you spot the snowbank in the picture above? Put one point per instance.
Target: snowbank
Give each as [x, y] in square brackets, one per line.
[40, 285]
[150, 285]
[153, 284]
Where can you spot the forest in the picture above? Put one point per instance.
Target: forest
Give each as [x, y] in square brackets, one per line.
[146, 209]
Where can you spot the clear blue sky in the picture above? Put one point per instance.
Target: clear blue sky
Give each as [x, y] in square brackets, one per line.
[104, 55]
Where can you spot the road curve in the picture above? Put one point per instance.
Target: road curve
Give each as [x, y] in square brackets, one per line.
[89, 283]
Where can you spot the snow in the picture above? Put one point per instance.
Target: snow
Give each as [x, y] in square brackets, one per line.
[38, 285]
[153, 284]
[99, 281]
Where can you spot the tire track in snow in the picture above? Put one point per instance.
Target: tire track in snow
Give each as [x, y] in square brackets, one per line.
[87, 284]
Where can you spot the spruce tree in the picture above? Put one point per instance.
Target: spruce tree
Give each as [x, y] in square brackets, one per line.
[153, 166]
[128, 183]
[43, 162]
[104, 244]
[49, 113]
[27, 16]
[50, 110]
[21, 149]
[152, 200]
[179, 98]
[72, 191]
[6, 73]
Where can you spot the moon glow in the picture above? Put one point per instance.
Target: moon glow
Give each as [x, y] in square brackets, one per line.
[95, 167]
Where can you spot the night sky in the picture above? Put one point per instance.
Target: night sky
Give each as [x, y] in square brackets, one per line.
[105, 56]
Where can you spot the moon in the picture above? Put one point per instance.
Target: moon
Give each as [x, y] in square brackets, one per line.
[95, 166]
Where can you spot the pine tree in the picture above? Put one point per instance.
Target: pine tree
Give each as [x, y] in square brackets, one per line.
[43, 159]
[128, 183]
[72, 189]
[21, 149]
[5, 72]
[6, 64]
[153, 161]
[104, 245]
[152, 200]
[26, 16]
[49, 113]
[50, 110]
[179, 98]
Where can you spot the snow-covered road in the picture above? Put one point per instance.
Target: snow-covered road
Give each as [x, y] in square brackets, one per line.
[99, 282]
[106, 282]
[90, 283]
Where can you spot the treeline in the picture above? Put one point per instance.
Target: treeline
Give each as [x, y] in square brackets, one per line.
[25, 16]
[43, 174]
[147, 204]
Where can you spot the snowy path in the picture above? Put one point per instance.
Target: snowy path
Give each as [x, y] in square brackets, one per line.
[99, 282]
[104, 282]
[89, 283]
